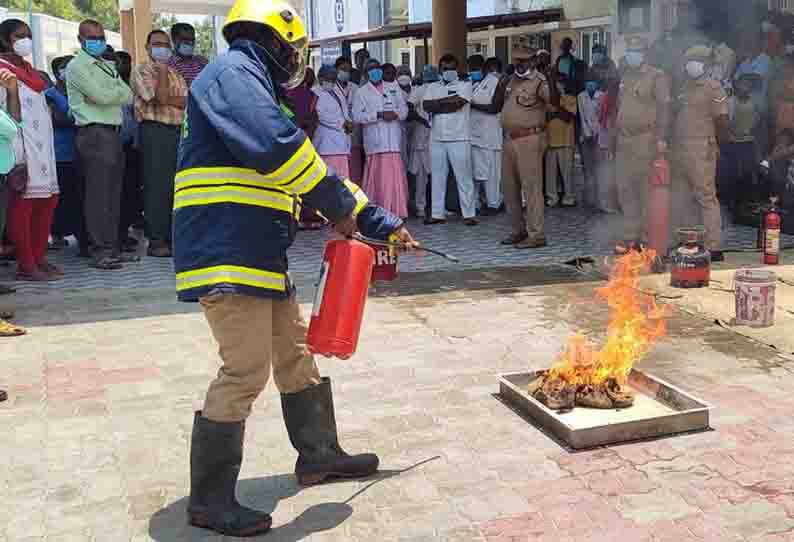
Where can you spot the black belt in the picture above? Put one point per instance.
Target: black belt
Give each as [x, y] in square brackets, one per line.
[100, 125]
[173, 126]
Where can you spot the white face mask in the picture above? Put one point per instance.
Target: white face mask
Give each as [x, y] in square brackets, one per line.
[23, 47]
[695, 69]
[404, 80]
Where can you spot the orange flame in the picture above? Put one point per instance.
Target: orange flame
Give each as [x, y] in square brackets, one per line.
[636, 323]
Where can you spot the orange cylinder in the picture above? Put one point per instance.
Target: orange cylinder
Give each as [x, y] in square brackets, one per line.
[658, 207]
[340, 299]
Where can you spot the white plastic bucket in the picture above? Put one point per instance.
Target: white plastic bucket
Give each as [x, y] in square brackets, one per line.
[755, 297]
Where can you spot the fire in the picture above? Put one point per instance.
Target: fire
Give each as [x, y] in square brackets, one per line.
[589, 376]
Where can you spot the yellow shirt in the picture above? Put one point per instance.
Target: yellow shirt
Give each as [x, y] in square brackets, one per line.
[563, 134]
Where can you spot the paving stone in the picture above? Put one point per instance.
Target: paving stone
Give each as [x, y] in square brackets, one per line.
[755, 518]
[654, 506]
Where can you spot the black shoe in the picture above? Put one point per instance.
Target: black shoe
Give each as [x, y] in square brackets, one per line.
[471, 222]
[433, 221]
[515, 238]
[717, 256]
[311, 424]
[216, 454]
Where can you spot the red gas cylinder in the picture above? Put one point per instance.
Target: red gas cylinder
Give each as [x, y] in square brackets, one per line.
[340, 298]
[658, 210]
[385, 268]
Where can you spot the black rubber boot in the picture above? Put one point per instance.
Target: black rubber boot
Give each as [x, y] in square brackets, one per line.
[216, 454]
[311, 424]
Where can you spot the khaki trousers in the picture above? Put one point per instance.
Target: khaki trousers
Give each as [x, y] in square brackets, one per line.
[559, 159]
[253, 334]
[695, 188]
[633, 158]
[522, 171]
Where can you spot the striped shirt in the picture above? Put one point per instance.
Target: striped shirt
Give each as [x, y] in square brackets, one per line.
[188, 67]
[144, 84]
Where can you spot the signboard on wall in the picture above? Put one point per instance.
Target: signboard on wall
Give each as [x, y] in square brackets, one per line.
[329, 53]
[339, 17]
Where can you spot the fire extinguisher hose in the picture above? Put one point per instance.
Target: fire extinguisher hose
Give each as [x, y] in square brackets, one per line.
[378, 242]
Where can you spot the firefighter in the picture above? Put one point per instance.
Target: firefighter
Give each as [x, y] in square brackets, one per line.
[701, 124]
[640, 133]
[243, 168]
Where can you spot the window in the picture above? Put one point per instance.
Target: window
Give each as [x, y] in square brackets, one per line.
[405, 58]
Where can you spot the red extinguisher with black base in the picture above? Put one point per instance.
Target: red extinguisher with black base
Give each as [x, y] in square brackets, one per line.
[658, 210]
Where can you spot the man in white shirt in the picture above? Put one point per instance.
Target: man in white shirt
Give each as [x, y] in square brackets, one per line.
[419, 163]
[448, 101]
[590, 128]
[332, 136]
[486, 131]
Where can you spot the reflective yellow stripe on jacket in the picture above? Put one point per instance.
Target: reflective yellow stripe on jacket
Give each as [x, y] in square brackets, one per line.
[231, 274]
[361, 198]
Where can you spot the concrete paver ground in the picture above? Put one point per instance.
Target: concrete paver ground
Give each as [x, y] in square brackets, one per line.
[103, 388]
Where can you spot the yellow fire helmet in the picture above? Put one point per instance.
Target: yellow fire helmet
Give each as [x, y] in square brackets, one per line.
[285, 23]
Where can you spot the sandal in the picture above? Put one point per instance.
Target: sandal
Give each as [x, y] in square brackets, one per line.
[10, 330]
[106, 264]
[52, 269]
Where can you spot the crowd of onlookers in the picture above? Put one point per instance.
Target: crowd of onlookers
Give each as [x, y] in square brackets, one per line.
[91, 151]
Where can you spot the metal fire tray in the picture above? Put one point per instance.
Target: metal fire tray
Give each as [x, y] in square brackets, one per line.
[659, 409]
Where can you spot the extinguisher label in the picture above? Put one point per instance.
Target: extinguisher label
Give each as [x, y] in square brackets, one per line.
[772, 241]
[318, 293]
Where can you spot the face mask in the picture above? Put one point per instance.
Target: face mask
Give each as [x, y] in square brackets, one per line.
[343, 76]
[23, 47]
[591, 87]
[523, 71]
[94, 48]
[449, 76]
[695, 69]
[185, 49]
[635, 58]
[375, 75]
[599, 58]
[328, 85]
[475, 76]
[404, 80]
[161, 54]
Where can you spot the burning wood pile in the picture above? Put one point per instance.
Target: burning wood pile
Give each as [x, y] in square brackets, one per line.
[587, 376]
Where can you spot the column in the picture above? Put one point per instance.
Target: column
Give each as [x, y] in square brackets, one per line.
[449, 30]
[127, 19]
[143, 25]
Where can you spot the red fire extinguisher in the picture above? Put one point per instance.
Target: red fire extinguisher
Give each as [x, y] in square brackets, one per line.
[658, 211]
[771, 233]
[340, 298]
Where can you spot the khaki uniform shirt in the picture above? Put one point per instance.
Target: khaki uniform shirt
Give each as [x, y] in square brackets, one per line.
[525, 103]
[701, 102]
[642, 93]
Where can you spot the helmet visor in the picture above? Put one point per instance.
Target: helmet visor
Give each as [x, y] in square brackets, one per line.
[296, 63]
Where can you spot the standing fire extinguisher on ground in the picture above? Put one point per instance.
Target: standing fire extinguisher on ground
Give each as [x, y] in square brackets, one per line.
[771, 225]
[658, 210]
[243, 163]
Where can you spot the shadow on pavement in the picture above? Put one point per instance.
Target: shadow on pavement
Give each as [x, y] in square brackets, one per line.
[170, 523]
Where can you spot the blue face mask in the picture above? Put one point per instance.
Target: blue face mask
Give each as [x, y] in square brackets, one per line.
[449, 76]
[185, 49]
[591, 87]
[95, 48]
[375, 75]
[635, 58]
[475, 76]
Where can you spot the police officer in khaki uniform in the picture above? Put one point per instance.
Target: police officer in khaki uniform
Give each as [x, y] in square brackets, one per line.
[641, 127]
[701, 124]
[523, 100]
